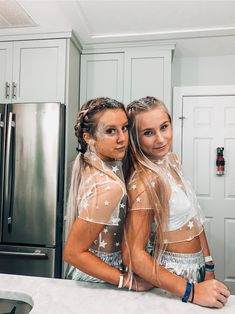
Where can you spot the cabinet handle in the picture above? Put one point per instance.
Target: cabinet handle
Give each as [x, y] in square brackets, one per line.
[13, 89]
[7, 90]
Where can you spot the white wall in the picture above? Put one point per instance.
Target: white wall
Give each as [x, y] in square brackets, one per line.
[199, 71]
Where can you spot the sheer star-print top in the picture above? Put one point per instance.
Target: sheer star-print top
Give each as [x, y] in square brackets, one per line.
[102, 199]
[185, 216]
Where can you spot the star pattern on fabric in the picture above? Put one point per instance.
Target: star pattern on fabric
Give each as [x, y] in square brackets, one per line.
[133, 187]
[122, 205]
[105, 230]
[106, 203]
[115, 169]
[102, 244]
[117, 244]
[115, 220]
[138, 199]
[84, 204]
[190, 224]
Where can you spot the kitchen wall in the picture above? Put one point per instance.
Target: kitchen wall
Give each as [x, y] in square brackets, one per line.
[209, 70]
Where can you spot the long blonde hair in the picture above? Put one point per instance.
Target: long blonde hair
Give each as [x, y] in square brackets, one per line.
[138, 161]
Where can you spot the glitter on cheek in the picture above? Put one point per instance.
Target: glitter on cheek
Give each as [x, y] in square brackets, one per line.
[100, 130]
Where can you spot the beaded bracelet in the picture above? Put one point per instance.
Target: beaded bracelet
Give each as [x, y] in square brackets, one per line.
[187, 292]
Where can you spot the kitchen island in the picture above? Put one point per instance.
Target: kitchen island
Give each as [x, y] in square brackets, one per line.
[59, 296]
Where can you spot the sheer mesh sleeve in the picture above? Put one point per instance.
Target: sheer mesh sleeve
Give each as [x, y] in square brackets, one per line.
[101, 203]
[138, 198]
[100, 193]
[175, 162]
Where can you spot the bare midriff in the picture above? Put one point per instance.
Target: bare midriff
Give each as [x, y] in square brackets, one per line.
[192, 246]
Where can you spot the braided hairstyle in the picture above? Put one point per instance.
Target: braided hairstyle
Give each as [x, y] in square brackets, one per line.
[86, 122]
[87, 118]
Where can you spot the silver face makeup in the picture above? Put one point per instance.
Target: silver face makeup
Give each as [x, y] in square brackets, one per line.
[100, 130]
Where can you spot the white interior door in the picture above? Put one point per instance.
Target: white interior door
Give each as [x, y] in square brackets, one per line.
[208, 122]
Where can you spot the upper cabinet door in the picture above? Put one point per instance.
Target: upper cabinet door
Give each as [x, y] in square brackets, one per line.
[147, 73]
[5, 71]
[102, 76]
[39, 71]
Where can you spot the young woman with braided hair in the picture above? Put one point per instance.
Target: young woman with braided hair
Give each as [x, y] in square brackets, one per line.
[97, 197]
[164, 238]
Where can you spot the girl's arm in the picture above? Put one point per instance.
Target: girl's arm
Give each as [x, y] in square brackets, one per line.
[76, 253]
[206, 252]
[138, 225]
[80, 239]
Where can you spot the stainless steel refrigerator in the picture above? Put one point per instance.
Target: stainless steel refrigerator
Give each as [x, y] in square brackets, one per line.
[31, 188]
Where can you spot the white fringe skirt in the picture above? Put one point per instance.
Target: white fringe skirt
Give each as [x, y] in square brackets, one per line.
[190, 267]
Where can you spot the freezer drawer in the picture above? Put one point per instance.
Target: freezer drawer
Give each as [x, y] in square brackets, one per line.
[31, 261]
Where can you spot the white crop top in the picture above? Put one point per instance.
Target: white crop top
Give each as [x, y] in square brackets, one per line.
[179, 208]
[185, 217]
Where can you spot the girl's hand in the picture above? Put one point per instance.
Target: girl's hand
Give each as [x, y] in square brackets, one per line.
[211, 293]
[136, 283]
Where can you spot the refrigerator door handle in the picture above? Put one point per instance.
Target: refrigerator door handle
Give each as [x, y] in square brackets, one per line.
[1, 130]
[36, 254]
[8, 170]
[1, 122]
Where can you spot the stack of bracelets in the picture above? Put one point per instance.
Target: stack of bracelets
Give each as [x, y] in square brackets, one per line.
[209, 267]
[190, 286]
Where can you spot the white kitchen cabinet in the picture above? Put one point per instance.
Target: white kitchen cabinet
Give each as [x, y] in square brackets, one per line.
[102, 75]
[147, 73]
[129, 74]
[33, 70]
[44, 70]
[5, 70]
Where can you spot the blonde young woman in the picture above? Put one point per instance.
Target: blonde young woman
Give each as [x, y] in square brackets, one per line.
[97, 197]
[165, 242]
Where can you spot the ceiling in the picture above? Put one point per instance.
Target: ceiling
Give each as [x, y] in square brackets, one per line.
[199, 28]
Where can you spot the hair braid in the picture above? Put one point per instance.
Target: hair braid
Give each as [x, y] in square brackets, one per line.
[86, 119]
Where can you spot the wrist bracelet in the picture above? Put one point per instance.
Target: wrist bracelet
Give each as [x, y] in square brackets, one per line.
[187, 292]
[192, 293]
[208, 259]
[121, 281]
[209, 267]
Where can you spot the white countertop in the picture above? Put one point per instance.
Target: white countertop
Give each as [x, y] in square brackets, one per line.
[59, 296]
